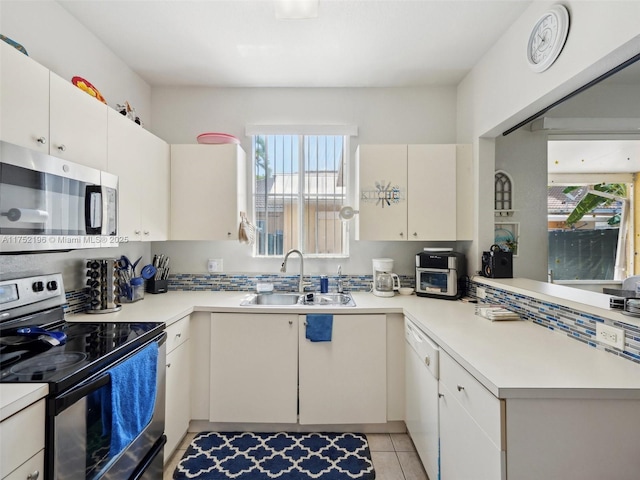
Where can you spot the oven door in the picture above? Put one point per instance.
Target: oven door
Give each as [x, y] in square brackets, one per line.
[79, 436]
[438, 283]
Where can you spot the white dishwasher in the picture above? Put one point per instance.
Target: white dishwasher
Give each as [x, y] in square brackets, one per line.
[421, 409]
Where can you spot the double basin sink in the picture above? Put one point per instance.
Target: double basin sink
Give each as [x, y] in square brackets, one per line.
[300, 299]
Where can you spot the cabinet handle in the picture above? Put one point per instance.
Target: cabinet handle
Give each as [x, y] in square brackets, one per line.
[415, 234]
[62, 148]
[291, 322]
[34, 475]
[441, 395]
[146, 232]
[427, 360]
[137, 232]
[41, 140]
[402, 234]
[228, 234]
[460, 388]
[178, 335]
[168, 365]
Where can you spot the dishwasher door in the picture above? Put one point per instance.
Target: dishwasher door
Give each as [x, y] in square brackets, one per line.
[421, 408]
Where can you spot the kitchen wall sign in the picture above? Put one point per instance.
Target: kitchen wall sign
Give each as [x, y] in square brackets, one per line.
[383, 194]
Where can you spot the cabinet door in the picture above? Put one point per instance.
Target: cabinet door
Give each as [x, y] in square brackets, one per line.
[141, 161]
[254, 368]
[154, 187]
[207, 191]
[466, 451]
[77, 124]
[32, 469]
[125, 153]
[24, 109]
[344, 380]
[21, 437]
[382, 191]
[431, 192]
[178, 400]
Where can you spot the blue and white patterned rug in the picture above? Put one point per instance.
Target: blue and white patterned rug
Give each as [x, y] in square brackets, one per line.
[282, 456]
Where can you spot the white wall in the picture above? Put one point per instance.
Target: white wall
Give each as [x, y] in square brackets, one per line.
[383, 115]
[523, 155]
[55, 39]
[501, 90]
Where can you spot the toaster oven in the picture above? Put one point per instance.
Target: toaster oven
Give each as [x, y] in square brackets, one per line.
[438, 274]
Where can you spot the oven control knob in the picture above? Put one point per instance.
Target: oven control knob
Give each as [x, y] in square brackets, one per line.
[52, 286]
[38, 286]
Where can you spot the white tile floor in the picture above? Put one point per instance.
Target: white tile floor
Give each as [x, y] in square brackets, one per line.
[394, 457]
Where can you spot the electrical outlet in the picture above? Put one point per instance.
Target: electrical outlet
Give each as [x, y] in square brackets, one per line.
[481, 292]
[610, 335]
[214, 265]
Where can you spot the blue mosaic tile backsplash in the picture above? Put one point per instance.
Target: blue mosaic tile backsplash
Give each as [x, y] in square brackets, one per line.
[575, 324]
[247, 282]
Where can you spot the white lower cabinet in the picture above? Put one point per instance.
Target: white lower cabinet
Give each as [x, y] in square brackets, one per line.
[178, 399]
[264, 370]
[22, 441]
[345, 380]
[254, 368]
[471, 423]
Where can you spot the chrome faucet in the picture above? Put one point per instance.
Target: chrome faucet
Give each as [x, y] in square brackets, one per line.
[283, 268]
[340, 285]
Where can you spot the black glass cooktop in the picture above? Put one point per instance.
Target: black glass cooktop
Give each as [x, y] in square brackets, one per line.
[89, 347]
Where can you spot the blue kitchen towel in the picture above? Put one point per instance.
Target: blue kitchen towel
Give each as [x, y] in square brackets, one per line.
[319, 327]
[133, 396]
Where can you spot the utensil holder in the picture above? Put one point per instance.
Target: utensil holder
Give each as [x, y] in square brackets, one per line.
[157, 286]
[135, 291]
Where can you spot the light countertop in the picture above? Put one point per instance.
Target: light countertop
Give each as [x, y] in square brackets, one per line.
[15, 397]
[512, 359]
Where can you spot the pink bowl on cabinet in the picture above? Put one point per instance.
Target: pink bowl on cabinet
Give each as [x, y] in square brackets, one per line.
[217, 138]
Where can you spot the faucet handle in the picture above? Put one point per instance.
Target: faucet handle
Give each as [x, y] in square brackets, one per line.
[339, 270]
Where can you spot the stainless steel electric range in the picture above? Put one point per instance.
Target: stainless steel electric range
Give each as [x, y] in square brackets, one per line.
[105, 408]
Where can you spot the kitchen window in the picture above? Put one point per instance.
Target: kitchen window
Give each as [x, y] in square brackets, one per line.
[299, 187]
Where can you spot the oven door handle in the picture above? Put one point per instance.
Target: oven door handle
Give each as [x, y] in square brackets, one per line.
[66, 400]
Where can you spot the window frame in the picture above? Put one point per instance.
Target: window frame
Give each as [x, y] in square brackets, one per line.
[302, 132]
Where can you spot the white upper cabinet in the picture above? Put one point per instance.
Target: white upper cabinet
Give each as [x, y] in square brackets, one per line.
[44, 112]
[141, 161]
[208, 191]
[409, 192]
[78, 124]
[381, 190]
[431, 192]
[24, 105]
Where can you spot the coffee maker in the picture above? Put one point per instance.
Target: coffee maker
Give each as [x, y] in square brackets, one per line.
[385, 283]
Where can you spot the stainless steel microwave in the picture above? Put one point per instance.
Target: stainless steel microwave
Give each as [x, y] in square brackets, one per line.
[438, 274]
[47, 203]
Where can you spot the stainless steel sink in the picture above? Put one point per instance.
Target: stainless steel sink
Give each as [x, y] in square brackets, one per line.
[310, 299]
[343, 299]
[271, 299]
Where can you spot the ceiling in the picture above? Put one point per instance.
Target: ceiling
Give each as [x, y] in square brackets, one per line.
[240, 43]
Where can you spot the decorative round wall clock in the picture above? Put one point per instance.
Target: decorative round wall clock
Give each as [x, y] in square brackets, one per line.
[547, 38]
